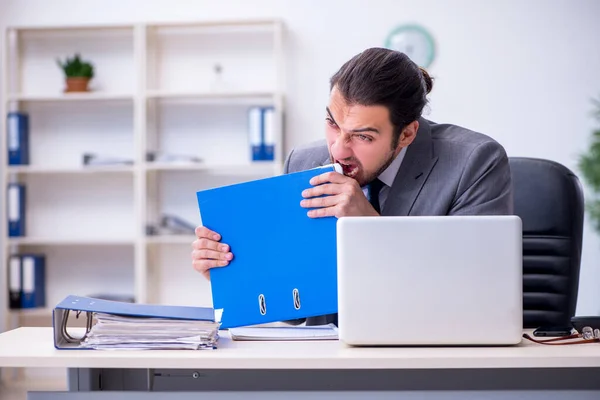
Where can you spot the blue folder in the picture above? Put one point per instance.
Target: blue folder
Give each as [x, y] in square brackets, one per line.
[18, 138]
[33, 275]
[261, 129]
[16, 203]
[92, 305]
[284, 264]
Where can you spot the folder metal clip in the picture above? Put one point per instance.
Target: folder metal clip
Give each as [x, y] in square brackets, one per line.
[296, 294]
[262, 304]
[63, 326]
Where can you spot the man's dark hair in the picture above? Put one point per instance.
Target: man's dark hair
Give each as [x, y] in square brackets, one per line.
[380, 76]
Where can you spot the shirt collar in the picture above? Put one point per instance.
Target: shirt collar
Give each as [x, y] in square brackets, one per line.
[389, 174]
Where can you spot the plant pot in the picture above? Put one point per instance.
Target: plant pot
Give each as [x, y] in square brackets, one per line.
[77, 84]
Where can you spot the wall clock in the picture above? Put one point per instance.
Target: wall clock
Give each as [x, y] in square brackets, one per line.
[415, 41]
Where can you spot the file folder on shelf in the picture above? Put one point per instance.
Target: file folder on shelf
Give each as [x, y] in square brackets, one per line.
[268, 125]
[121, 325]
[18, 138]
[16, 209]
[284, 262]
[15, 282]
[255, 133]
[33, 273]
[261, 127]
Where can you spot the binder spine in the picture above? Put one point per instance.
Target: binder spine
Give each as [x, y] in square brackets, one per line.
[15, 282]
[33, 271]
[40, 281]
[16, 209]
[18, 138]
[255, 128]
[268, 125]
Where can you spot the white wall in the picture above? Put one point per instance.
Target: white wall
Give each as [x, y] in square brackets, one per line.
[522, 72]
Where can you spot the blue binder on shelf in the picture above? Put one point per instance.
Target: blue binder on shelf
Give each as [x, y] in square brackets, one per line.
[284, 265]
[18, 138]
[15, 282]
[89, 305]
[261, 126]
[268, 125]
[16, 209]
[33, 275]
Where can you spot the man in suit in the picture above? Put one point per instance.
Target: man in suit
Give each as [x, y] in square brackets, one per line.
[394, 161]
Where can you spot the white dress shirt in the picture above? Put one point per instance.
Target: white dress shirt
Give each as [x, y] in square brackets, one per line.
[387, 177]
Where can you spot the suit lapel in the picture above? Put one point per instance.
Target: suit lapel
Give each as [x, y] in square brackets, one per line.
[412, 174]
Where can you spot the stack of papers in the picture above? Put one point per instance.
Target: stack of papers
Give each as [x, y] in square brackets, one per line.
[319, 332]
[112, 332]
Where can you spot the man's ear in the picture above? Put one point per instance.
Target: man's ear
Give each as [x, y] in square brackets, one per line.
[408, 134]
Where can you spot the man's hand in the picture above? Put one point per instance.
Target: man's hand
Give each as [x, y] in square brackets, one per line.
[344, 197]
[208, 252]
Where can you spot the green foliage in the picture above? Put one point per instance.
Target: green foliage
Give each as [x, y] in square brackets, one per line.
[589, 165]
[76, 68]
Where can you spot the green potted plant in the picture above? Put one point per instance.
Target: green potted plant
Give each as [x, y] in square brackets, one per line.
[78, 73]
[589, 165]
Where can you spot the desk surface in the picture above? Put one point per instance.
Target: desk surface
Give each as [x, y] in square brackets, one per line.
[33, 347]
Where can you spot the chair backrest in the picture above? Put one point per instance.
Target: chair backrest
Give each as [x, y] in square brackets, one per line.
[549, 199]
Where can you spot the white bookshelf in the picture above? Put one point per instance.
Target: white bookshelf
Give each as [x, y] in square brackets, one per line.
[154, 89]
[50, 170]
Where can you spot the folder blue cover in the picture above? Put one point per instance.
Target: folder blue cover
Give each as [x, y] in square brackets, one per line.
[16, 209]
[284, 265]
[18, 138]
[93, 305]
[79, 303]
[33, 273]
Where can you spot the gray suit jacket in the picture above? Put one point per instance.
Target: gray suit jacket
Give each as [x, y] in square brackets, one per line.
[447, 170]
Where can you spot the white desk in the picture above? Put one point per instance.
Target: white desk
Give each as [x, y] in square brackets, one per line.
[320, 366]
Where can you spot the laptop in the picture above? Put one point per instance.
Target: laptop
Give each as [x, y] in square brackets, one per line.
[430, 280]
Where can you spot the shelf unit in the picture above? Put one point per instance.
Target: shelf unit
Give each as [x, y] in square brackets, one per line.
[155, 89]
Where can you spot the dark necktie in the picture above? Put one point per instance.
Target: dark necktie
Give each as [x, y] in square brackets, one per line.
[374, 188]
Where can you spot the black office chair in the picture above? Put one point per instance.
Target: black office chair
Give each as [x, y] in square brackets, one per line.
[549, 200]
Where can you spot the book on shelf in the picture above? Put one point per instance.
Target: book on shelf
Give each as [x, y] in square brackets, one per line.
[90, 159]
[170, 225]
[168, 158]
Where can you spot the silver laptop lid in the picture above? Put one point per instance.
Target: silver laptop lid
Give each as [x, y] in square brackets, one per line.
[431, 280]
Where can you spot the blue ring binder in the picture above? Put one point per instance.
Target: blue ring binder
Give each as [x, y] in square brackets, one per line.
[302, 255]
[201, 325]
